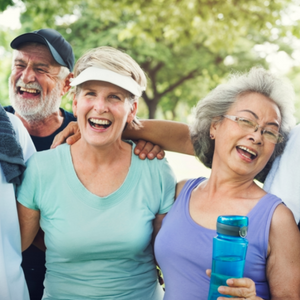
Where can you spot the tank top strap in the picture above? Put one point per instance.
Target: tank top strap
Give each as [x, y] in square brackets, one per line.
[189, 186]
[182, 201]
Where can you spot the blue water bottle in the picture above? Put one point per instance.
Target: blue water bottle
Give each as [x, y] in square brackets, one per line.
[229, 252]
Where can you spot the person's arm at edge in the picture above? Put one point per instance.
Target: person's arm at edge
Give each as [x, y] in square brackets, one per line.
[170, 135]
[29, 224]
[283, 264]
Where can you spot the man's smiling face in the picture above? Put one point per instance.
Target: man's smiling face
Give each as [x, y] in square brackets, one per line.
[34, 85]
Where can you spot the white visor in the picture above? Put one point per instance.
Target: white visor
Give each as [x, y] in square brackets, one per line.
[125, 82]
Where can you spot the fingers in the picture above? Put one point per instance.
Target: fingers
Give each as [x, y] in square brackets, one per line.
[146, 149]
[70, 130]
[73, 138]
[239, 288]
[156, 152]
[208, 272]
[140, 144]
[161, 154]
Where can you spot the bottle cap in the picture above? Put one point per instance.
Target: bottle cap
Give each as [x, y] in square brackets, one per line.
[233, 225]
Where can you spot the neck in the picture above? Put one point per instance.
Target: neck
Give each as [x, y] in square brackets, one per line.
[225, 186]
[100, 156]
[43, 127]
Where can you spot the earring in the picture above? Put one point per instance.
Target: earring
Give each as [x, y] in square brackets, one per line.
[211, 136]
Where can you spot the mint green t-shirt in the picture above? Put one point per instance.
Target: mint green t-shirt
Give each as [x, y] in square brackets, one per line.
[97, 247]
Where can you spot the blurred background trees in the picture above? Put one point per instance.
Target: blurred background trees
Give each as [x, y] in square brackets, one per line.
[186, 47]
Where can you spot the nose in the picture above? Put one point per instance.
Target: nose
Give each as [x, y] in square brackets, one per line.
[257, 136]
[100, 105]
[28, 75]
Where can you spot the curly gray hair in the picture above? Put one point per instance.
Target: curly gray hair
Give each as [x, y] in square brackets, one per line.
[219, 101]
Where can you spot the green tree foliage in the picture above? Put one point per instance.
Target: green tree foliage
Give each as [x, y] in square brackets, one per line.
[4, 4]
[186, 47]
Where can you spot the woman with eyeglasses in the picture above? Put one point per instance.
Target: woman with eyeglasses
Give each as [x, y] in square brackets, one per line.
[239, 129]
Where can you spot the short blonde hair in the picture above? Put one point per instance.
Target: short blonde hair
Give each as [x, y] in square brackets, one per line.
[114, 60]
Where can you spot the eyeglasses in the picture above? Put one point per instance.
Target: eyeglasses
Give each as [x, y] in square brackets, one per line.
[269, 134]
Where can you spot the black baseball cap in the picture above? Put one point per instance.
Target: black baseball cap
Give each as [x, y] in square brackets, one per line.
[60, 49]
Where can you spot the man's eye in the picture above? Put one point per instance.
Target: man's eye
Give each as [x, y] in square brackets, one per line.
[20, 66]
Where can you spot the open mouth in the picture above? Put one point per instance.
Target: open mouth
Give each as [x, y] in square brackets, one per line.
[246, 152]
[34, 92]
[99, 124]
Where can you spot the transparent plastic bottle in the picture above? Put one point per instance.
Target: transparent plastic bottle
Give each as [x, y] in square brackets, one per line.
[229, 252]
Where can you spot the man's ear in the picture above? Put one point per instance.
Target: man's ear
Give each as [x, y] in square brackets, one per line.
[66, 83]
[74, 106]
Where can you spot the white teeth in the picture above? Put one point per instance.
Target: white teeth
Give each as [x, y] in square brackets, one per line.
[100, 122]
[248, 150]
[32, 91]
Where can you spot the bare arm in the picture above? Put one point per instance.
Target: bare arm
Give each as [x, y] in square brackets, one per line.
[156, 225]
[71, 134]
[171, 136]
[283, 265]
[39, 240]
[29, 224]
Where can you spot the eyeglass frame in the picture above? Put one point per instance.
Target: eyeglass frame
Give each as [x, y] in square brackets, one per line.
[255, 126]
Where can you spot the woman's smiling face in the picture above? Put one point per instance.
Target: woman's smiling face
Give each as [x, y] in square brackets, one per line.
[246, 152]
[102, 110]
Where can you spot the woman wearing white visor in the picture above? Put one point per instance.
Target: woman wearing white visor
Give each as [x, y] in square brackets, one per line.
[99, 205]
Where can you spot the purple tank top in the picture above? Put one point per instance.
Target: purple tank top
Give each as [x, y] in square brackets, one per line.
[183, 249]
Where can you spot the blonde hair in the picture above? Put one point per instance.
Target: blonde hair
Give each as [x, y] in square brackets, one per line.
[114, 60]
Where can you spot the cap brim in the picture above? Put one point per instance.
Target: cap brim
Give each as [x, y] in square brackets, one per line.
[125, 82]
[37, 38]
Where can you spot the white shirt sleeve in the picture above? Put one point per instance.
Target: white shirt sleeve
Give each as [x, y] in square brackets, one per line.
[22, 136]
[283, 179]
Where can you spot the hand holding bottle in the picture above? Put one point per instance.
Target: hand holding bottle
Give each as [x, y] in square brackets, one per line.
[238, 288]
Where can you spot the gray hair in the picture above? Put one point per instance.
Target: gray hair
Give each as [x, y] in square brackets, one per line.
[63, 73]
[220, 100]
[113, 60]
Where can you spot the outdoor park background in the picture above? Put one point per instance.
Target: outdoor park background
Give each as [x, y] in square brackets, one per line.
[186, 47]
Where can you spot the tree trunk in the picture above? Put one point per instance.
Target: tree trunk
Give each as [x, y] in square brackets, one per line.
[152, 106]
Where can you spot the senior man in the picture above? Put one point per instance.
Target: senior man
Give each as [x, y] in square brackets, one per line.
[41, 70]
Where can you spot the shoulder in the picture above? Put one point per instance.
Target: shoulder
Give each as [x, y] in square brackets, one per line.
[282, 216]
[49, 159]
[179, 187]
[189, 183]
[15, 121]
[22, 136]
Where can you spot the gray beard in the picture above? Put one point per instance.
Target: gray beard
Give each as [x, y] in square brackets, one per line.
[35, 110]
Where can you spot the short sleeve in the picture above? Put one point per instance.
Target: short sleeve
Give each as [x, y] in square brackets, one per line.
[168, 186]
[27, 192]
